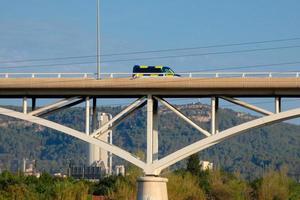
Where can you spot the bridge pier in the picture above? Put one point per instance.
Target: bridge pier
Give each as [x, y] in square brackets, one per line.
[152, 188]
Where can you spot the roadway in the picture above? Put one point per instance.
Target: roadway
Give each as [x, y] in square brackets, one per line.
[162, 86]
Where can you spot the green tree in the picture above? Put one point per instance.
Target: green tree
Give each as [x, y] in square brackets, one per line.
[274, 186]
[294, 191]
[228, 186]
[184, 186]
[192, 165]
[20, 192]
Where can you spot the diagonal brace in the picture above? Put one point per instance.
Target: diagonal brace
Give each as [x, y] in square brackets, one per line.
[181, 115]
[79, 101]
[119, 117]
[247, 105]
[64, 103]
[117, 122]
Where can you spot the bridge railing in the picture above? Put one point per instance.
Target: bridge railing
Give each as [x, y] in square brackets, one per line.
[129, 75]
[47, 75]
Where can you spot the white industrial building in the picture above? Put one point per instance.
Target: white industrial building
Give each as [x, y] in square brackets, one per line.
[99, 157]
[206, 165]
[120, 170]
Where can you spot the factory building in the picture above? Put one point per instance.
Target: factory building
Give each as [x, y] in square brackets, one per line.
[97, 156]
[205, 165]
[99, 161]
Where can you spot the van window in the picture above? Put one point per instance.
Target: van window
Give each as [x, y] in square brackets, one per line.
[147, 70]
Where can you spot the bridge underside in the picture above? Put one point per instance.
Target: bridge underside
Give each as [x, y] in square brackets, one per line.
[164, 87]
[150, 93]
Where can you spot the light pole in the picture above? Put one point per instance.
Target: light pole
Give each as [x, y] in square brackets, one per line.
[98, 39]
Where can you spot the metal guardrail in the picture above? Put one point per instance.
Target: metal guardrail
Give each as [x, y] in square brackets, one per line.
[47, 75]
[124, 75]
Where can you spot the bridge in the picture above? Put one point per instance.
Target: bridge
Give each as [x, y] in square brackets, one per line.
[75, 88]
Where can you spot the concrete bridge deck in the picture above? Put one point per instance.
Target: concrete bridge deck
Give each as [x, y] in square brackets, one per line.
[163, 86]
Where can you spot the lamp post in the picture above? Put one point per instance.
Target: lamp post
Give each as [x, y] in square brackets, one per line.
[98, 39]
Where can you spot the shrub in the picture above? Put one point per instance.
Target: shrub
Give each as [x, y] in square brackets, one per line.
[184, 186]
[274, 186]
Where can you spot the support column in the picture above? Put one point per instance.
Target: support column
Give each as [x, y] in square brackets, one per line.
[149, 129]
[152, 188]
[277, 105]
[155, 130]
[25, 105]
[217, 115]
[152, 129]
[110, 140]
[94, 117]
[149, 186]
[33, 103]
[92, 147]
[87, 115]
[214, 115]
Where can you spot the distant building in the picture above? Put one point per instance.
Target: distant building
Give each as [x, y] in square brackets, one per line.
[29, 168]
[205, 165]
[86, 172]
[120, 170]
[60, 175]
[99, 160]
[97, 156]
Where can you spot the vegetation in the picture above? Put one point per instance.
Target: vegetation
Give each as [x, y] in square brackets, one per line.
[19, 187]
[182, 185]
[218, 184]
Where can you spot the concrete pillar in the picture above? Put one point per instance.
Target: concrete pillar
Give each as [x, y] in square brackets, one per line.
[277, 104]
[149, 129]
[152, 188]
[25, 105]
[214, 115]
[87, 115]
[152, 129]
[94, 117]
[93, 150]
[109, 153]
[33, 103]
[155, 131]
[217, 115]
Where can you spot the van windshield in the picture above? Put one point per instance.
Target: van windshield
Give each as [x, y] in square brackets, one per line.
[167, 70]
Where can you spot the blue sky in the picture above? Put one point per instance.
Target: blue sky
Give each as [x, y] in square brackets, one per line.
[59, 28]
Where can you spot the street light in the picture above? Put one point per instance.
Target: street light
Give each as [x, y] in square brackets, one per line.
[98, 39]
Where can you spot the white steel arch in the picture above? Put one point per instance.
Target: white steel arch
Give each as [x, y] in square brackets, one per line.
[77, 134]
[185, 152]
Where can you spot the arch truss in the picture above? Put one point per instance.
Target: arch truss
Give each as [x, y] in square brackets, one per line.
[153, 164]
